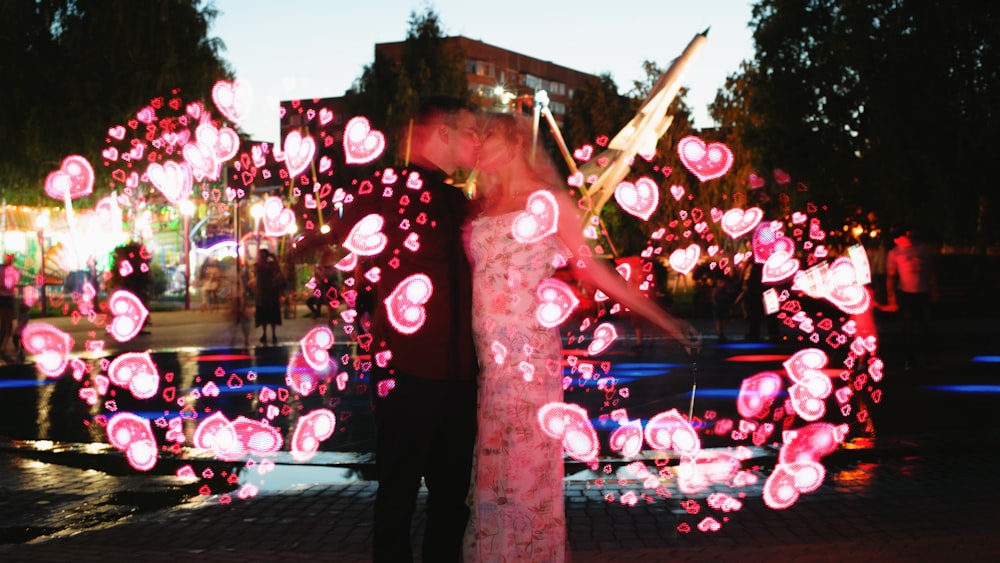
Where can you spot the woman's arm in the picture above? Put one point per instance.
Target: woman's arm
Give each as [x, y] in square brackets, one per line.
[605, 278]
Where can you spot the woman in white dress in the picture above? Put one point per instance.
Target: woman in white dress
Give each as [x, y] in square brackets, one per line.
[525, 221]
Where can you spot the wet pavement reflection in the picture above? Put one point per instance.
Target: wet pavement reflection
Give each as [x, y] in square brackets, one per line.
[58, 421]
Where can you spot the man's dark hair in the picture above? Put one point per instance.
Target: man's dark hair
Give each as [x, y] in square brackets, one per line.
[440, 107]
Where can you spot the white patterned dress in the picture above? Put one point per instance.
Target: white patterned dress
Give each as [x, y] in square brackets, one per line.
[517, 491]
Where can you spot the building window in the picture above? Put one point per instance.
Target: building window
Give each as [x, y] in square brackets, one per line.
[480, 68]
[557, 108]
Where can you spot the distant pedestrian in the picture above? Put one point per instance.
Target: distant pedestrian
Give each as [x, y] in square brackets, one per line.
[211, 280]
[269, 283]
[877, 257]
[753, 304]
[8, 309]
[911, 287]
[726, 291]
[327, 281]
[23, 316]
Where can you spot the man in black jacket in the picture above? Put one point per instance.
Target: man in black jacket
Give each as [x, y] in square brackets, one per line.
[409, 225]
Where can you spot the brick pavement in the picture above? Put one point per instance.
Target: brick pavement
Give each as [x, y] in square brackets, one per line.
[910, 505]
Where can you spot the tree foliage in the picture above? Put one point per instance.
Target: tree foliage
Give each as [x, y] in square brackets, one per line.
[75, 67]
[888, 106]
[388, 91]
[598, 111]
[751, 182]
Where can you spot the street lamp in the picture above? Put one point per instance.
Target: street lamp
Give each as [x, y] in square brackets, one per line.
[41, 222]
[502, 96]
[187, 210]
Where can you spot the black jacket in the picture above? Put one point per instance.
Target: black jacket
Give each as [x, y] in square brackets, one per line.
[423, 228]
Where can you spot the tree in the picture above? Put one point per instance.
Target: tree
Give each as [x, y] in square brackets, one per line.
[85, 65]
[389, 90]
[888, 106]
[598, 111]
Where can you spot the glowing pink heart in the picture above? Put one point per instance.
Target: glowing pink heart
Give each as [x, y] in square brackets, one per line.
[709, 524]
[385, 386]
[362, 144]
[311, 430]
[683, 260]
[136, 372]
[556, 301]
[257, 438]
[89, 395]
[811, 442]
[723, 502]
[217, 434]
[302, 377]
[277, 219]
[737, 222]
[844, 289]
[670, 431]
[175, 431]
[570, 424]
[604, 335]
[173, 179]
[779, 266]
[102, 383]
[805, 361]
[539, 219]
[349, 262]
[210, 390]
[213, 147]
[627, 439]
[788, 481]
[266, 395]
[133, 435]
[677, 192]
[405, 305]
[757, 393]
[767, 240]
[232, 99]
[705, 162]
[74, 179]
[639, 199]
[366, 237]
[299, 152]
[808, 396]
[696, 473]
[128, 315]
[50, 346]
[316, 346]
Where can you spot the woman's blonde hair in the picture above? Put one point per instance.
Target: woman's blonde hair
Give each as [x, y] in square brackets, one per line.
[517, 129]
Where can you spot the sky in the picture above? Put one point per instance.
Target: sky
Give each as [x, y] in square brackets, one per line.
[295, 49]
